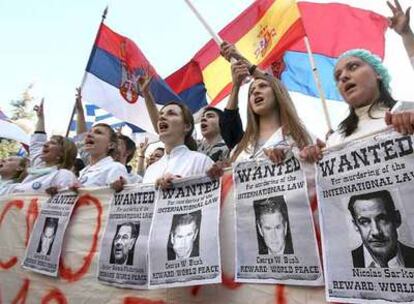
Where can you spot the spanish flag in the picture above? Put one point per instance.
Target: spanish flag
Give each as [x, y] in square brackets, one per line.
[261, 33]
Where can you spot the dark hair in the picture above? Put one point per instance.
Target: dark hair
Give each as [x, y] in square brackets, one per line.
[113, 139]
[51, 222]
[135, 227]
[269, 206]
[383, 195]
[78, 165]
[189, 120]
[350, 123]
[69, 152]
[184, 219]
[130, 146]
[215, 110]
[289, 119]
[161, 149]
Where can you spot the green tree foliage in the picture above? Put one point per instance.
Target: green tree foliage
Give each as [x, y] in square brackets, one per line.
[8, 147]
[22, 106]
[21, 109]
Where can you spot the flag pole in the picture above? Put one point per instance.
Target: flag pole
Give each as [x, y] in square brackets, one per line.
[209, 29]
[105, 12]
[318, 84]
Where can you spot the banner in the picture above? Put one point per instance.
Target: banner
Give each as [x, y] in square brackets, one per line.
[184, 242]
[77, 282]
[45, 244]
[123, 255]
[275, 235]
[365, 198]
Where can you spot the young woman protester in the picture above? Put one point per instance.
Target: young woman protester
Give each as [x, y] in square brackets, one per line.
[105, 153]
[364, 83]
[273, 125]
[13, 170]
[175, 127]
[101, 145]
[51, 161]
[212, 143]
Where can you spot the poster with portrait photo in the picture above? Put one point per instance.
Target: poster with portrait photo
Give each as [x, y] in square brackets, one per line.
[124, 247]
[184, 240]
[45, 244]
[365, 193]
[275, 235]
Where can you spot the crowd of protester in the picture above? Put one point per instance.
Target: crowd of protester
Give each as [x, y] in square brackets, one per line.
[101, 156]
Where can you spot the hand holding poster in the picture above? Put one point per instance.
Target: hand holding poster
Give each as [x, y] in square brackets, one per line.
[184, 241]
[275, 235]
[123, 255]
[366, 205]
[45, 244]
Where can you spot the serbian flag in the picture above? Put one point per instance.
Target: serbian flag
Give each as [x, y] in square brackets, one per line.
[332, 28]
[261, 33]
[9, 130]
[111, 76]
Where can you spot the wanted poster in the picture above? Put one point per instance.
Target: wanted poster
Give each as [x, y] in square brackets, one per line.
[184, 241]
[45, 244]
[124, 247]
[275, 235]
[366, 191]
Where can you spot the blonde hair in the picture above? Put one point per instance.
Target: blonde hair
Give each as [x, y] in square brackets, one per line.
[69, 152]
[288, 117]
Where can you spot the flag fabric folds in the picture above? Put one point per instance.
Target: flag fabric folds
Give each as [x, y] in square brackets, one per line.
[9, 130]
[111, 76]
[332, 28]
[94, 115]
[261, 33]
[269, 34]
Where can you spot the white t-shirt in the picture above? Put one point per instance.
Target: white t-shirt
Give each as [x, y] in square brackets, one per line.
[277, 139]
[180, 161]
[60, 178]
[134, 178]
[412, 61]
[102, 173]
[367, 123]
[6, 186]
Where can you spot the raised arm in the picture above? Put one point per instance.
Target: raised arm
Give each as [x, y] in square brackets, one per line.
[143, 83]
[80, 115]
[40, 124]
[142, 148]
[400, 23]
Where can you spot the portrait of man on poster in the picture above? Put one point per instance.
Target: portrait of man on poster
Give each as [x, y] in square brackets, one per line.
[272, 226]
[48, 236]
[376, 220]
[123, 243]
[184, 236]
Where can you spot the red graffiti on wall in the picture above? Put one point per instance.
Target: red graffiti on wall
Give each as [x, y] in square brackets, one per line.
[22, 294]
[12, 204]
[31, 216]
[66, 273]
[54, 295]
[135, 300]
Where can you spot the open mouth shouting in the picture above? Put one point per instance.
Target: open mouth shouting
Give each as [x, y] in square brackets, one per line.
[89, 142]
[162, 126]
[349, 87]
[258, 100]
